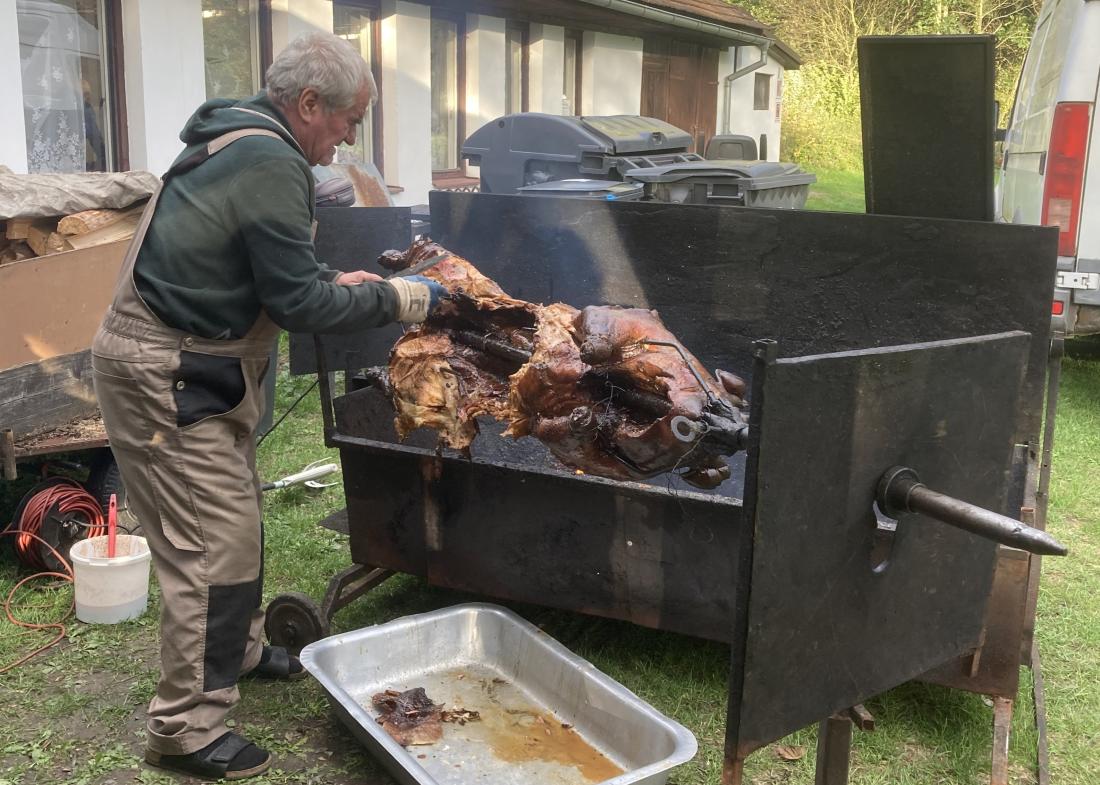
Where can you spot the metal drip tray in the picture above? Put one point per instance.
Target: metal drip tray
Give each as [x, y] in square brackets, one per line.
[547, 716]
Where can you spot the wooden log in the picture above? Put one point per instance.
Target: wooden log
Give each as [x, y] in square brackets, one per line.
[44, 241]
[88, 221]
[121, 229]
[17, 228]
[17, 251]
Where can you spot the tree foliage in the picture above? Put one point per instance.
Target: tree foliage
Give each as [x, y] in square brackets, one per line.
[821, 103]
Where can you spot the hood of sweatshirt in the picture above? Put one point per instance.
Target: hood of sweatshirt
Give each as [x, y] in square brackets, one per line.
[222, 115]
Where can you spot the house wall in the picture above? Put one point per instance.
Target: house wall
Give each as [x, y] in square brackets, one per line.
[485, 57]
[165, 77]
[546, 69]
[406, 108]
[743, 118]
[13, 139]
[292, 18]
[611, 74]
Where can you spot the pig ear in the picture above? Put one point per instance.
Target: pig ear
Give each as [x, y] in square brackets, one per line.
[731, 383]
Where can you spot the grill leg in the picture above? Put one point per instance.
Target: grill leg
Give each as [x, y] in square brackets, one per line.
[1002, 724]
[733, 771]
[834, 745]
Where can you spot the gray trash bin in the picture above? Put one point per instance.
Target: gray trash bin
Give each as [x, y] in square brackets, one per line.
[531, 148]
[747, 183]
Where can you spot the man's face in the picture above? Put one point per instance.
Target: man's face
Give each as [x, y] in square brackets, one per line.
[319, 131]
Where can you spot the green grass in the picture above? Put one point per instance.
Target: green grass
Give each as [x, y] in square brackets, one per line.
[837, 191]
[75, 714]
[1069, 615]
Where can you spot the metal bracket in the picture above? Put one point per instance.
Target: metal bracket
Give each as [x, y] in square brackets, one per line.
[1074, 280]
[350, 584]
[834, 744]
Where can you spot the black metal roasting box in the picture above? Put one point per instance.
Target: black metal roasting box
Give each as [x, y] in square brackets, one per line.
[871, 342]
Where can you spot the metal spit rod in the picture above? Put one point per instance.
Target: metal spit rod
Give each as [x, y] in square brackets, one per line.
[900, 491]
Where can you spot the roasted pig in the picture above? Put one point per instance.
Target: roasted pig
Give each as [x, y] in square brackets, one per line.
[609, 390]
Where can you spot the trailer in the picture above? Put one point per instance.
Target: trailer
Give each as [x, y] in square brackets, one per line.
[49, 418]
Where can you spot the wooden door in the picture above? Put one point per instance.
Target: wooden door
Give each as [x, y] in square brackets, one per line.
[680, 86]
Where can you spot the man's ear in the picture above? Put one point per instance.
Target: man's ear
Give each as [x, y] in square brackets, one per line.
[309, 105]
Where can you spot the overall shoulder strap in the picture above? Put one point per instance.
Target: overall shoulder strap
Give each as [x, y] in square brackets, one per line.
[216, 145]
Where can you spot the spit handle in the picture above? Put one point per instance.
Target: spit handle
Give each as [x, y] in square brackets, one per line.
[900, 491]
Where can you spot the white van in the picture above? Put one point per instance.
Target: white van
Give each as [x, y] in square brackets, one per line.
[1051, 168]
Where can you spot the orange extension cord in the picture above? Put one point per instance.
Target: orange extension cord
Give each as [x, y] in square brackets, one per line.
[69, 498]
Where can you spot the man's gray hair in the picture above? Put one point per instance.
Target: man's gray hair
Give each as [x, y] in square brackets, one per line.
[328, 64]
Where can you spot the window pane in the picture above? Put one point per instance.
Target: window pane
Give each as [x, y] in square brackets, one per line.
[353, 25]
[62, 56]
[513, 72]
[444, 94]
[762, 94]
[569, 78]
[231, 48]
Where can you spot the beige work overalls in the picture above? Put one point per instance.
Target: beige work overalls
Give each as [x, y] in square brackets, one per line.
[180, 413]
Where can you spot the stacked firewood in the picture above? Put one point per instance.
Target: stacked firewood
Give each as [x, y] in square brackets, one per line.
[25, 238]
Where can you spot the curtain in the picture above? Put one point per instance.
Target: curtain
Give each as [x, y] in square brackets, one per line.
[52, 40]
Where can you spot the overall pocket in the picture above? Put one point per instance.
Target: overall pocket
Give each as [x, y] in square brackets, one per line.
[206, 385]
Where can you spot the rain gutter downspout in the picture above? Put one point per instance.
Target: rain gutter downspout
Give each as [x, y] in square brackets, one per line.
[699, 26]
[727, 98]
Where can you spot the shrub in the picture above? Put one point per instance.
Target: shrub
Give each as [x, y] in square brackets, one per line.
[821, 126]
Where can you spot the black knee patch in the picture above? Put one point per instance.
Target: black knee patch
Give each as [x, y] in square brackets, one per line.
[228, 619]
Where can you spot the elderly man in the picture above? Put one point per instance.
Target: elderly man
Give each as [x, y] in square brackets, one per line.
[224, 258]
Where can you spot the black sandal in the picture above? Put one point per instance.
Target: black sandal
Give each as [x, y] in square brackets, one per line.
[229, 757]
[276, 663]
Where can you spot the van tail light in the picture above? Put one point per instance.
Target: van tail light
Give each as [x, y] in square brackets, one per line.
[1057, 308]
[1065, 172]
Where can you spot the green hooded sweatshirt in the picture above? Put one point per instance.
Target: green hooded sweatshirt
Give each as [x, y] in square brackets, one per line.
[233, 236]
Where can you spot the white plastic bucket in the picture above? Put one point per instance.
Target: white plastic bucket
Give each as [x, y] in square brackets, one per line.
[110, 590]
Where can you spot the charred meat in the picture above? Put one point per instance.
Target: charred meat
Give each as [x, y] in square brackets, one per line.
[609, 390]
[409, 717]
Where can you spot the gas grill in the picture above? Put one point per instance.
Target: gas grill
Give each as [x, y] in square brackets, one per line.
[874, 381]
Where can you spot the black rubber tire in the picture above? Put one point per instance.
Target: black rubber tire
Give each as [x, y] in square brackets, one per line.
[293, 620]
[104, 478]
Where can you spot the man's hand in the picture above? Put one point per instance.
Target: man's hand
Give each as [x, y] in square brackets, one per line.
[357, 277]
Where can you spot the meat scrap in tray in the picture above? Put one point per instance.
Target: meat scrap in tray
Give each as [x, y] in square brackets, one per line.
[409, 717]
[412, 718]
[609, 390]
